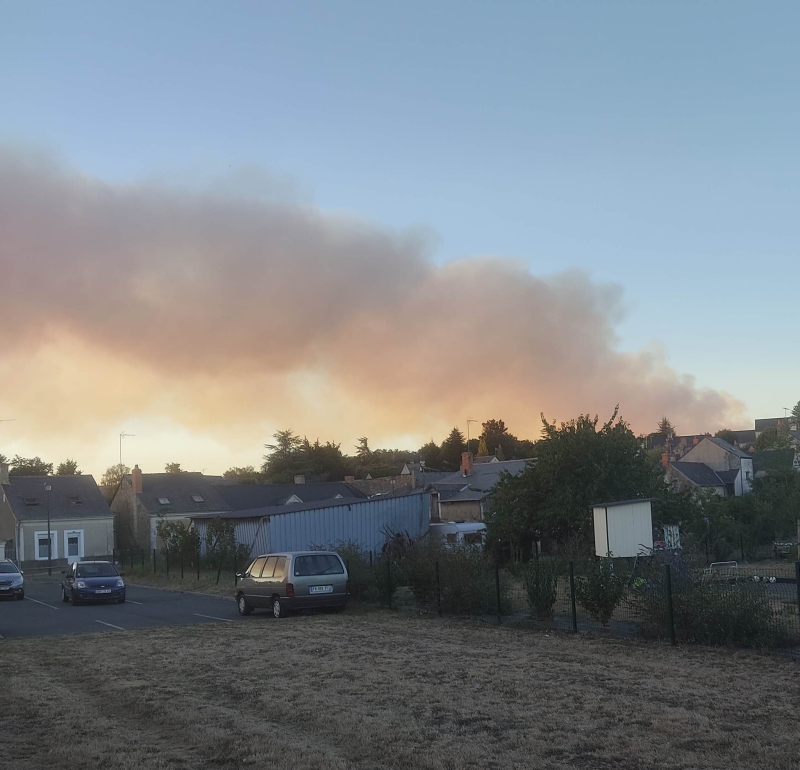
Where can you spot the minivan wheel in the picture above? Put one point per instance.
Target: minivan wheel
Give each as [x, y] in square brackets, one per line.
[243, 606]
[278, 610]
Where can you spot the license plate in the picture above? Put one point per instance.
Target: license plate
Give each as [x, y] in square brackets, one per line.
[321, 589]
[103, 591]
[5, 588]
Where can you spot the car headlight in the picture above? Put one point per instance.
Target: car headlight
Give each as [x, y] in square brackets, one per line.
[80, 584]
[120, 584]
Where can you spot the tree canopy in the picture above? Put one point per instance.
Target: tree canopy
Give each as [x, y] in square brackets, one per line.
[173, 468]
[292, 456]
[452, 447]
[68, 468]
[726, 435]
[113, 475]
[30, 466]
[665, 428]
[495, 434]
[777, 437]
[244, 475]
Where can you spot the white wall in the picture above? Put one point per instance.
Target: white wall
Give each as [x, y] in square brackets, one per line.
[629, 529]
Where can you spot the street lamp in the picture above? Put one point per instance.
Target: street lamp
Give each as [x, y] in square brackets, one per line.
[47, 489]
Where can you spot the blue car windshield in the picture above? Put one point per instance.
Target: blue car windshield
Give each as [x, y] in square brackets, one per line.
[96, 570]
[6, 568]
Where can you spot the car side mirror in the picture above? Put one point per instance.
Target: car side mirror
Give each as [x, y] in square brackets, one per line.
[239, 575]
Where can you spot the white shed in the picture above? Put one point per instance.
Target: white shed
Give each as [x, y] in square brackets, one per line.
[624, 528]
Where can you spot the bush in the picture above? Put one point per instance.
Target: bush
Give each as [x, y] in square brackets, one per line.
[600, 590]
[541, 581]
[719, 613]
[363, 585]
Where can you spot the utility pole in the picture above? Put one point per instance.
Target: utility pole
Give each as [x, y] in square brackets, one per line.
[122, 436]
[47, 488]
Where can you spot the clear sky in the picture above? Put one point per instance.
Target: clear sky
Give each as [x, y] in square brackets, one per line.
[655, 145]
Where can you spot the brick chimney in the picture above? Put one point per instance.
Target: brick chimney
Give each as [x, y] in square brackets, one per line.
[695, 441]
[4, 473]
[466, 463]
[136, 480]
[300, 479]
[665, 459]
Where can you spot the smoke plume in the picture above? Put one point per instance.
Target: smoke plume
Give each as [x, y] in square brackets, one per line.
[231, 314]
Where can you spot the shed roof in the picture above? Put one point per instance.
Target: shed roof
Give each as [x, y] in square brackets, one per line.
[623, 502]
[71, 497]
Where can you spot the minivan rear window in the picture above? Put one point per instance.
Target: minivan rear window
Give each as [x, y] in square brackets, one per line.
[318, 564]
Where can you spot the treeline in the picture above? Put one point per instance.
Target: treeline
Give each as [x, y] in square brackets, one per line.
[289, 455]
[35, 466]
[581, 462]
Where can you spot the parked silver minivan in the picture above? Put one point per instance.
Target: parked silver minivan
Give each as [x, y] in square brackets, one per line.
[284, 582]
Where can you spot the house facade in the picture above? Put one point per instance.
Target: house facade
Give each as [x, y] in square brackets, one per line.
[713, 464]
[81, 525]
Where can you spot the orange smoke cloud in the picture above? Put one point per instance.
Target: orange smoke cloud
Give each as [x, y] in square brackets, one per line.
[231, 315]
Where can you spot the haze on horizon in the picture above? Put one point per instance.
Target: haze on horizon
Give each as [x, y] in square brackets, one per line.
[203, 316]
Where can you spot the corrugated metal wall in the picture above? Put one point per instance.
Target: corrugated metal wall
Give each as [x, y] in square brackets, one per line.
[364, 522]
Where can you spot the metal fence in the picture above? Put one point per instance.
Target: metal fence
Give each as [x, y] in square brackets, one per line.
[180, 565]
[654, 598]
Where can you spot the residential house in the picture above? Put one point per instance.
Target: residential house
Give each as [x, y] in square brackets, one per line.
[81, 523]
[144, 499]
[714, 464]
[485, 459]
[466, 494]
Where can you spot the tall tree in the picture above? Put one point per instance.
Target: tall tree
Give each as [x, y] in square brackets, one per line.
[666, 428]
[431, 454]
[796, 415]
[113, 475]
[452, 447]
[68, 468]
[30, 466]
[173, 468]
[483, 450]
[363, 452]
[495, 433]
[245, 475]
[773, 438]
[286, 444]
[579, 463]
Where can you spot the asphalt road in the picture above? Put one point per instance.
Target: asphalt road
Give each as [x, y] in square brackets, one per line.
[42, 613]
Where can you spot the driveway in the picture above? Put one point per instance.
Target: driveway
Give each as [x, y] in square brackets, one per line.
[42, 613]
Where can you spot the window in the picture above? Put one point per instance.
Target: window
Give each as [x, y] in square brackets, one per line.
[40, 541]
[292, 499]
[95, 569]
[72, 545]
[198, 498]
[473, 538]
[163, 501]
[75, 500]
[452, 538]
[30, 501]
[256, 567]
[269, 567]
[280, 567]
[318, 564]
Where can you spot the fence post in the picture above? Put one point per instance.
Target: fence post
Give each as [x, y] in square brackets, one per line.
[438, 591]
[113, 555]
[370, 559]
[670, 610]
[572, 598]
[142, 558]
[389, 579]
[497, 591]
[797, 584]
[235, 576]
[741, 545]
[181, 561]
[154, 561]
[198, 563]
[219, 567]
[166, 553]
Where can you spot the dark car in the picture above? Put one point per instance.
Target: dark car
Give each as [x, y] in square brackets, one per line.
[92, 581]
[11, 581]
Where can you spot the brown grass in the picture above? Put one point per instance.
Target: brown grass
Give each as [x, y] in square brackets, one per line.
[379, 691]
[207, 583]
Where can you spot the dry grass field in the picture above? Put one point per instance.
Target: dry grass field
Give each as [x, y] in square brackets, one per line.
[374, 690]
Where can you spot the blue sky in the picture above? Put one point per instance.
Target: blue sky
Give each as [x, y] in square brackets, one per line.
[653, 144]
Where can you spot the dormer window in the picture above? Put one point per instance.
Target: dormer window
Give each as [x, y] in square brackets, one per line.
[75, 500]
[30, 501]
[198, 498]
[163, 501]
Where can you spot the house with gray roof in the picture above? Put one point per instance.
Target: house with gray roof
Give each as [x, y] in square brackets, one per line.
[81, 525]
[713, 464]
[466, 494]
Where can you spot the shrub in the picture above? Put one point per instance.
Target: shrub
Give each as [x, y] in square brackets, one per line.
[363, 585]
[541, 581]
[600, 590]
[716, 612]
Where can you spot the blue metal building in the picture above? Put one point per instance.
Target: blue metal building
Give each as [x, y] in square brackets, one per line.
[325, 523]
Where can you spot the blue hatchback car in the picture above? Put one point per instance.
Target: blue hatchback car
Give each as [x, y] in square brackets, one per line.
[92, 581]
